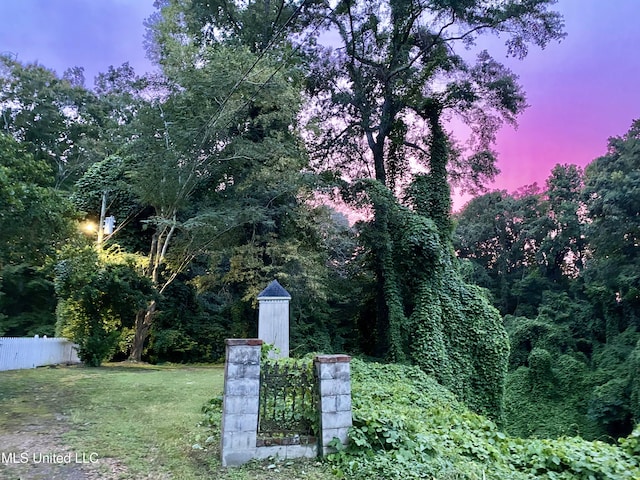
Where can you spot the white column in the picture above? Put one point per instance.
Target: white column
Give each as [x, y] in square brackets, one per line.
[273, 318]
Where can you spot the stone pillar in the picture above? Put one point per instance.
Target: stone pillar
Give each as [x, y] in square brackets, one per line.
[334, 377]
[241, 401]
[273, 318]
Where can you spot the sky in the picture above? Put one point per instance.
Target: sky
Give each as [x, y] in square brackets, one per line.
[581, 91]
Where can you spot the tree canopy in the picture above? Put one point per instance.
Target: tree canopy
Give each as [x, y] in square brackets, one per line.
[560, 264]
[224, 170]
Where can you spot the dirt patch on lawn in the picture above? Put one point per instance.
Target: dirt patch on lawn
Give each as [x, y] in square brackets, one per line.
[32, 447]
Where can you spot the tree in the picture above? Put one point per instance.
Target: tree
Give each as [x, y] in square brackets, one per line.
[524, 244]
[501, 235]
[106, 182]
[612, 197]
[560, 263]
[54, 118]
[27, 301]
[219, 161]
[563, 250]
[394, 79]
[382, 97]
[258, 25]
[35, 220]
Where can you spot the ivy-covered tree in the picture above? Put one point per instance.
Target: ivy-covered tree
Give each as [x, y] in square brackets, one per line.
[381, 99]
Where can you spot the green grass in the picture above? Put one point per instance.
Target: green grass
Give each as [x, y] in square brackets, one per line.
[143, 419]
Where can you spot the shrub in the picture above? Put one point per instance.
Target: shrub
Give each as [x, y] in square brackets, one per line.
[98, 294]
[405, 425]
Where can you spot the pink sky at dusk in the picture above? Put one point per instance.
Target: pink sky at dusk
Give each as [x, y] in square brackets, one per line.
[581, 91]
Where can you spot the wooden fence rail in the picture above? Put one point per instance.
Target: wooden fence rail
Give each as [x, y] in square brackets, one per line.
[20, 353]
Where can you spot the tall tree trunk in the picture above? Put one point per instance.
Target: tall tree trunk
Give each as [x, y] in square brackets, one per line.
[381, 252]
[390, 316]
[144, 317]
[431, 194]
[381, 248]
[144, 320]
[440, 194]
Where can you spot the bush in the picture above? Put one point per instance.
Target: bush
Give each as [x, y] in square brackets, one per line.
[609, 406]
[405, 425]
[98, 295]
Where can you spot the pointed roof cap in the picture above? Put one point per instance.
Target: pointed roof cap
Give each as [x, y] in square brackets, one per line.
[274, 290]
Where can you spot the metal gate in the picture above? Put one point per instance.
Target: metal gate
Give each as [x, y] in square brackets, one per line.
[288, 412]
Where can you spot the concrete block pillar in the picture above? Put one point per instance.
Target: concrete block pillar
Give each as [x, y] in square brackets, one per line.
[334, 377]
[273, 318]
[241, 401]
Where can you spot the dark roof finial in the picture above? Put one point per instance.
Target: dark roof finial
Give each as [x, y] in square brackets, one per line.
[274, 289]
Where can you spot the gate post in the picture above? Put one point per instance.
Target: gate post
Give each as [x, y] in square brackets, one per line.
[334, 378]
[241, 400]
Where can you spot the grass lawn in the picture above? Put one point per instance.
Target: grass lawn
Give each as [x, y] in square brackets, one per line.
[141, 421]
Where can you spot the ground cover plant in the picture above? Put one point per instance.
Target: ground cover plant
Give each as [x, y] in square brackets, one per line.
[408, 426]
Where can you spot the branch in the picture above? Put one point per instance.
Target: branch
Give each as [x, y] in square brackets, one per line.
[280, 9]
[447, 25]
[469, 32]
[415, 146]
[165, 244]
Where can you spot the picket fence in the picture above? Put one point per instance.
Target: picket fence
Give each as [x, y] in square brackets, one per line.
[20, 353]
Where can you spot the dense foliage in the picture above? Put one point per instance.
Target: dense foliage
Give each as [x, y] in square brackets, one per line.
[448, 327]
[35, 220]
[218, 170]
[98, 296]
[407, 426]
[562, 266]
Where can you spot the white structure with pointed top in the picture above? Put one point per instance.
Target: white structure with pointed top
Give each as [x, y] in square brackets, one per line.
[273, 318]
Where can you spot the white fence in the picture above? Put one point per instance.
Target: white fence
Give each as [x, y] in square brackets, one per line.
[19, 353]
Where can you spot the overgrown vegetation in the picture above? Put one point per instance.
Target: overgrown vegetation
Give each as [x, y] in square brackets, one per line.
[218, 170]
[561, 265]
[408, 426]
[444, 325]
